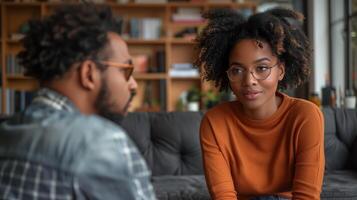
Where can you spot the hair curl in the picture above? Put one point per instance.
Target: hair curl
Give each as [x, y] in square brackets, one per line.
[72, 34]
[226, 27]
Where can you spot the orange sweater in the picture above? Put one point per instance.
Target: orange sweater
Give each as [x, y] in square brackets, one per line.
[281, 155]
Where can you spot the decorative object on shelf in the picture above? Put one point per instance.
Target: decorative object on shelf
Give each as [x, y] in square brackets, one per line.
[193, 99]
[188, 33]
[350, 99]
[141, 63]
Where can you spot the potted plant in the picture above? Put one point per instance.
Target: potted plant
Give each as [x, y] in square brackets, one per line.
[211, 99]
[193, 99]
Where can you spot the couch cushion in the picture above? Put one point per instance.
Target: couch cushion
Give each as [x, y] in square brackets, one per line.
[339, 185]
[340, 134]
[191, 187]
[169, 141]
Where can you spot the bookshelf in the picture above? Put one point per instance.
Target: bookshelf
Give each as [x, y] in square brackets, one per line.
[155, 51]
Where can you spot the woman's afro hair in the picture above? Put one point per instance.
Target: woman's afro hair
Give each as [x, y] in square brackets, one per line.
[278, 27]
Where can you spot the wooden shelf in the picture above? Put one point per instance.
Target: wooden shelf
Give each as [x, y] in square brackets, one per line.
[185, 78]
[142, 5]
[187, 4]
[212, 4]
[22, 3]
[16, 42]
[138, 5]
[150, 76]
[146, 42]
[20, 82]
[171, 50]
[186, 24]
[181, 41]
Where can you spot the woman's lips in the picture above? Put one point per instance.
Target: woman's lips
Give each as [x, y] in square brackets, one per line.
[252, 95]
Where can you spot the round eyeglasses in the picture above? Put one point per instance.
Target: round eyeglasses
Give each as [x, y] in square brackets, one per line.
[260, 72]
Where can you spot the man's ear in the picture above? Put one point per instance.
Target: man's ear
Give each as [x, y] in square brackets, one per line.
[282, 71]
[89, 75]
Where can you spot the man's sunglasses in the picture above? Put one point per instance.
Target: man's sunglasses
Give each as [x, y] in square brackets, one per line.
[127, 68]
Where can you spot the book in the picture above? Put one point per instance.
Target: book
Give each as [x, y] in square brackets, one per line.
[17, 101]
[141, 63]
[160, 61]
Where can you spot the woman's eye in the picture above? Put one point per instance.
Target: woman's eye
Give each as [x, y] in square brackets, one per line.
[261, 68]
[236, 71]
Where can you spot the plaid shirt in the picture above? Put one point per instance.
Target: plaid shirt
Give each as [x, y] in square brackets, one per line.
[44, 166]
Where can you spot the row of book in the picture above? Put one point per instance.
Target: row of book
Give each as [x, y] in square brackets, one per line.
[194, 15]
[187, 15]
[143, 28]
[16, 101]
[12, 65]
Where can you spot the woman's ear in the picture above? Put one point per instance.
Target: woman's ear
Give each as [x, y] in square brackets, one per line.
[282, 71]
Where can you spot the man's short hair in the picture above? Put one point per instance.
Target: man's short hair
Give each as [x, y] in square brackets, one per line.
[74, 33]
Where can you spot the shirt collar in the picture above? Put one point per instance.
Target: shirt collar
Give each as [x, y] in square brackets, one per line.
[54, 99]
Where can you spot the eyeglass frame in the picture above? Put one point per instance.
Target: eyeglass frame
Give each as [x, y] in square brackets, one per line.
[252, 72]
[126, 66]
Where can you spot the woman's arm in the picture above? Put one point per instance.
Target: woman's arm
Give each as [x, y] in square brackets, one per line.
[309, 156]
[217, 169]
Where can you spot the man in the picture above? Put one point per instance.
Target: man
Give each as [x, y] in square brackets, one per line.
[59, 148]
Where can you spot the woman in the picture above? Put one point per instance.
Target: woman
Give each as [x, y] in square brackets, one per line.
[264, 145]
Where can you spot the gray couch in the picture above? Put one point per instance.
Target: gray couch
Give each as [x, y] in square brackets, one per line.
[340, 180]
[170, 145]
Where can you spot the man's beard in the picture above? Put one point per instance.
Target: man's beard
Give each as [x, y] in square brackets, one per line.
[106, 108]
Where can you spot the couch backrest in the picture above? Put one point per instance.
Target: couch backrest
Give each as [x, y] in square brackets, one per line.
[340, 138]
[169, 142]
[4, 118]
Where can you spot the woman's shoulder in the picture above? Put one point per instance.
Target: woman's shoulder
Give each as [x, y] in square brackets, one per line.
[303, 107]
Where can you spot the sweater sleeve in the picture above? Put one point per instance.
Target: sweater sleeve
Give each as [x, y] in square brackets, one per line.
[217, 170]
[309, 156]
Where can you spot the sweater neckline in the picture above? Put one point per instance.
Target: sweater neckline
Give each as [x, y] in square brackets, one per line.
[263, 122]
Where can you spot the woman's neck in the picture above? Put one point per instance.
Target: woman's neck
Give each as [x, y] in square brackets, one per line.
[265, 111]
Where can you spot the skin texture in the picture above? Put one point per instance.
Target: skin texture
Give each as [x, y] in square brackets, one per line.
[95, 91]
[257, 97]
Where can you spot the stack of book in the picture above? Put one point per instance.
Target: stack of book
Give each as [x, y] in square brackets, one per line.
[183, 70]
[187, 15]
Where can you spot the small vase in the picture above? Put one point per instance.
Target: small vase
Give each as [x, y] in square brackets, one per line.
[193, 106]
[350, 102]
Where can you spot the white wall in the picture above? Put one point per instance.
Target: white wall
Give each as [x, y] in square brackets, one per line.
[338, 51]
[318, 26]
